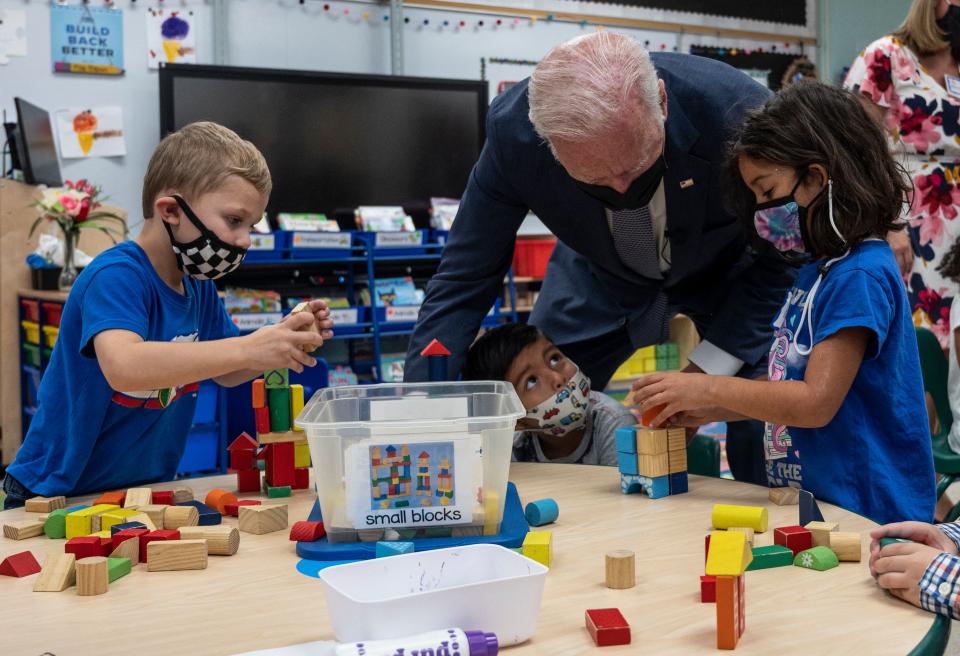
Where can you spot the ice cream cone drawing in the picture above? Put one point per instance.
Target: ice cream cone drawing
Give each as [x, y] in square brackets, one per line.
[85, 124]
[174, 29]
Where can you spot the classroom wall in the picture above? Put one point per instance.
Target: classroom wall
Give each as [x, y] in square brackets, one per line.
[848, 26]
[288, 34]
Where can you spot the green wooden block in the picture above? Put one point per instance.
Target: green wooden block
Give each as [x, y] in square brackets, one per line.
[279, 401]
[55, 527]
[885, 541]
[278, 492]
[772, 555]
[407, 533]
[117, 567]
[819, 558]
[276, 378]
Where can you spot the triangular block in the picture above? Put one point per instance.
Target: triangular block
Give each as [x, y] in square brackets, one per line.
[435, 347]
[19, 564]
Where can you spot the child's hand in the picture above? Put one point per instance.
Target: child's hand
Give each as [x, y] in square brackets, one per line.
[919, 532]
[901, 566]
[283, 345]
[321, 317]
[675, 392]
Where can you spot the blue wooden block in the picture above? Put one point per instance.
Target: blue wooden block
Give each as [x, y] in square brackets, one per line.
[208, 516]
[119, 527]
[626, 439]
[809, 510]
[541, 512]
[655, 488]
[678, 483]
[627, 463]
[385, 549]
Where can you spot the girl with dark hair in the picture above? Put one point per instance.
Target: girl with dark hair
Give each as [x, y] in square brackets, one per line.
[844, 400]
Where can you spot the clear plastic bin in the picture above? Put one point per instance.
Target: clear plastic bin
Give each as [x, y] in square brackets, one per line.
[411, 456]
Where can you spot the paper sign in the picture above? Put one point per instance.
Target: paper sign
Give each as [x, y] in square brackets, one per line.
[171, 37]
[90, 132]
[85, 39]
[13, 32]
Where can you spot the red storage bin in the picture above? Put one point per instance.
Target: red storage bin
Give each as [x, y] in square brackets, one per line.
[31, 309]
[530, 257]
[51, 313]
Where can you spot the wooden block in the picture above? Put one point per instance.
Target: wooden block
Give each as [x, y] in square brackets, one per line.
[746, 530]
[221, 540]
[19, 565]
[724, 516]
[263, 519]
[708, 589]
[259, 394]
[155, 512]
[279, 492]
[276, 378]
[344, 535]
[261, 418]
[795, 538]
[81, 523]
[162, 498]
[138, 496]
[242, 460]
[731, 611]
[155, 536]
[888, 541]
[218, 498]
[233, 509]
[129, 534]
[679, 483]
[820, 532]
[58, 573]
[655, 488]
[729, 554]
[117, 568]
[44, 504]
[24, 528]
[307, 531]
[117, 516]
[386, 549]
[677, 460]
[785, 496]
[144, 519]
[282, 438]
[248, 481]
[773, 555]
[182, 493]
[87, 546]
[175, 517]
[129, 550]
[818, 558]
[93, 576]
[56, 525]
[301, 477]
[607, 627]
[280, 465]
[208, 516]
[651, 442]
[626, 439]
[628, 463]
[541, 512]
[301, 455]
[620, 569]
[296, 404]
[676, 439]
[115, 498]
[847, 546]
[809, 510]
[175, 555]
[367, 534]
[538, 545]
[654, 466]
[312, 327]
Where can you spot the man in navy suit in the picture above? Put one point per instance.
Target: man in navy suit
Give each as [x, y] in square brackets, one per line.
[620, 154]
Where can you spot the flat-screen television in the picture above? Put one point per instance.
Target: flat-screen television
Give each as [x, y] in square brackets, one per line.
[36, 148]
[336, 141]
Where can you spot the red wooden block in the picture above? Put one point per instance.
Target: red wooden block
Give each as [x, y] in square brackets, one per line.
[155, 535]
[248, 480]
[301, 478]
[280, 467]
[307, 531]
[262, 418]
[708, 589]
[731, 611]
[127, 534]
[116, 497]
[794, 538]
[435, 347]
[84, 547]
[163, 498]
[607, 626]
[233, 509]
[243, 442]
[19, 564]
[242, 460]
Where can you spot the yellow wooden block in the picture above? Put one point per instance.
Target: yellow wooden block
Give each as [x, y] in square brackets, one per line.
[118, 516]
[651, 441]
[101, 534]
[538, 545]
[725, 516]
[296, 405]
[491, 511]
[79, 523]
[729, 554]
[301, 454]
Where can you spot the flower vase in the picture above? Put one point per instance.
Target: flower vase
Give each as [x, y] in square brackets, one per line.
[68, 274]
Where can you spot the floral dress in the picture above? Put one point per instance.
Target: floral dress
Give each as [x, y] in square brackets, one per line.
[923, 125]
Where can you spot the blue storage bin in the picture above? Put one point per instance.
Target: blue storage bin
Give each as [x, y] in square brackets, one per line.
[200, 454]
[320, 245]
[207, 401]
[267, 247]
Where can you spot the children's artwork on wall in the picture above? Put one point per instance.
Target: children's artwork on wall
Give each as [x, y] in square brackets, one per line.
[171, 37]
[90, 132]
[85, 39]
[13, 34]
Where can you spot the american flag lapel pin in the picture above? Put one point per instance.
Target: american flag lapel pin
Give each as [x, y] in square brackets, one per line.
[686, 184]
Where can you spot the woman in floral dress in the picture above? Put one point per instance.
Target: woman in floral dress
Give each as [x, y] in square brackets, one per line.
[911, 81]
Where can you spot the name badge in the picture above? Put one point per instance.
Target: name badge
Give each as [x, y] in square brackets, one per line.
[953, 85]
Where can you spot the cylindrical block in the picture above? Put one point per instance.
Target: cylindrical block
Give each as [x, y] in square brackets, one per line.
[621, 569]
[544, 511]
[219, 498]
[93, 576]
[182, 493]
[279, 402]
[175, 517]
[847, 546]
[754, 517]
[221, 540]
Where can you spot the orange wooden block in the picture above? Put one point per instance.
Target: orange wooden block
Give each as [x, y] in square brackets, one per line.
[259, 393]
[116, 497]
[731, 611]
[220, 498]
[646, 419]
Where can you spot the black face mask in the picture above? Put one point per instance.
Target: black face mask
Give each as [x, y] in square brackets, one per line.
[950, 23]
[207, 257]
[637, 195]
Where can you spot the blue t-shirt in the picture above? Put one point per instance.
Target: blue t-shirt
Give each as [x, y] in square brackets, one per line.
[86, 437]
[874, 457]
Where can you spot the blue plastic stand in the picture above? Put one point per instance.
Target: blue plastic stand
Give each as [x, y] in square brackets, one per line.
[513, 529]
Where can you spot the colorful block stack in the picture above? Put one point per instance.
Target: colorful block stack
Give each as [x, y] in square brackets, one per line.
[653, 461]
[243, 462]
[650, 359]
[276, 403]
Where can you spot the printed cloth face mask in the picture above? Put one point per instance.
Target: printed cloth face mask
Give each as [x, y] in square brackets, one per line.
[565, 411]
[207, 257]
[783, 223]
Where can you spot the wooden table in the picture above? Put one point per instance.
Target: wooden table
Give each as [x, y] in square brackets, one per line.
[257, 599]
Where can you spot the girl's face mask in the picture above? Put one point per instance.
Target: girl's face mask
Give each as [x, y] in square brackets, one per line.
[565, 411]
[783, 222]
[207, 257]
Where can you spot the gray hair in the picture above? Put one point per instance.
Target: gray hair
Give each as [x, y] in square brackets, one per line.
[579, 90]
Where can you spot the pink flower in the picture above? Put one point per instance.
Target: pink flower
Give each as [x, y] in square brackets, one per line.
[931, 229]
[69, 203]
[878, 83]
[918, 129]
[903, 68]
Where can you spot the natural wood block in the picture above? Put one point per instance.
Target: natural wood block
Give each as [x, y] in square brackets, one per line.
[620, 569]
[282, 437]
[182, 493]
[175, 517]
[129, 549]
[847, 546]
[785, 496]
[44, 504]
[93, 576]
[172, 555]
[677, 460]
[221, 540]
[724, 516]
[155, 513]
[24, 528]
[263, 519]
[59, 573]
[310, 328]
[676, 439]
[821, 532]
[746, 530]
[144, 519]
[651, 442]
[654, 466]
[138, 496]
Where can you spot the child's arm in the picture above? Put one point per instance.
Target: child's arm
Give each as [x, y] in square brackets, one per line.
[942, 538]
[917, 573]
[811, 403]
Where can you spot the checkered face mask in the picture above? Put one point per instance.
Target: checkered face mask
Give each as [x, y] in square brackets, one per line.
[207, 257]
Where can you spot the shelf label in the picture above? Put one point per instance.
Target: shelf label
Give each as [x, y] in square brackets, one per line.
[343, 316]
[399, 238]
[340, 240]
[262, 242]
[255, 320]
[403, 313]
